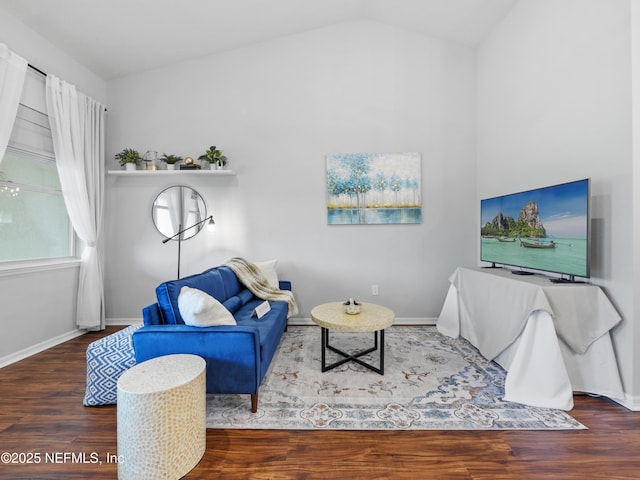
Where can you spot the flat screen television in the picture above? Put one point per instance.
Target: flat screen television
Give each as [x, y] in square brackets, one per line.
[544, 229]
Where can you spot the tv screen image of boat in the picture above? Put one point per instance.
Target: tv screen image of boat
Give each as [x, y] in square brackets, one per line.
[543, 229]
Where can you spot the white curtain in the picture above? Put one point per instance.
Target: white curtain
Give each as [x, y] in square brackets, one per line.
[12, 72]
[78, 127]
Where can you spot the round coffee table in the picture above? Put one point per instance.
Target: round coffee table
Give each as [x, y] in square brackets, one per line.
[372, 318]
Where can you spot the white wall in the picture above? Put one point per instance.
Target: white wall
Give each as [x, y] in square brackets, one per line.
[38, 306]
[635, 89]
[276, 109]
[554, 104]
[38, 310]
[45, 56]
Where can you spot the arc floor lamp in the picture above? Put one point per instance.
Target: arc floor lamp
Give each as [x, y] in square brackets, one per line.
[210, 226]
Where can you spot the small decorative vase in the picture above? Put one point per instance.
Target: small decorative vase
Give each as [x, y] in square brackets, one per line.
[150, 160]
[219, 165]
[351, 307]
[171, 166]
[130, 166]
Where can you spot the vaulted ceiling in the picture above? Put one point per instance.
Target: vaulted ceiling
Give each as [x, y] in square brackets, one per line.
[119, 37]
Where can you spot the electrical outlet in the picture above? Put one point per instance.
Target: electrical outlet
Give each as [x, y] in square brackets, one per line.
[374, 290]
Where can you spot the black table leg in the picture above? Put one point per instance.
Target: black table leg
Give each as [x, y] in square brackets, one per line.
[354, 357]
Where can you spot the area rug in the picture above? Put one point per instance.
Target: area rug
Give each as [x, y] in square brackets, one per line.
[431, 382]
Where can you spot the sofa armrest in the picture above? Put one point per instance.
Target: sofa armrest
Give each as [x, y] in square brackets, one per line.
[152, 315]
[285, 285]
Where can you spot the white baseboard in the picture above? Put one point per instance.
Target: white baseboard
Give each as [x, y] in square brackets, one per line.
[40, 347]
[122, 321]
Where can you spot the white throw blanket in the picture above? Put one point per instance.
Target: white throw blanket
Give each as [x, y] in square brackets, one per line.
[252, 278]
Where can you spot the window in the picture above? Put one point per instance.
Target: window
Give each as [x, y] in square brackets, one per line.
[33, 218]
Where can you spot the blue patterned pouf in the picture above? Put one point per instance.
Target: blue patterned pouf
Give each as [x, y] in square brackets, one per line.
[107, 359]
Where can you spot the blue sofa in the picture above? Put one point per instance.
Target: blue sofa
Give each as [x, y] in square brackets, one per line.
[237, 356]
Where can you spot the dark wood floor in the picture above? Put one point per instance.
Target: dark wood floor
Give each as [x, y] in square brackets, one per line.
[41, 413]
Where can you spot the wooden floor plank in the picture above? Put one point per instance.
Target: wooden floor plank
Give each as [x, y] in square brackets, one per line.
[41, 412]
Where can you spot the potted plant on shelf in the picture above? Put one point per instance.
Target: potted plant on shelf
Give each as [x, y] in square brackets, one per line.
[171, 161]
[128, 158]
[214, 157]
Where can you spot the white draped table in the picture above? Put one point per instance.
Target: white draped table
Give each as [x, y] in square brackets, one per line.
[553, 339]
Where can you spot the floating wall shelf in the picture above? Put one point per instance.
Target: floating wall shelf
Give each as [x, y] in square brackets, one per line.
[169, 173]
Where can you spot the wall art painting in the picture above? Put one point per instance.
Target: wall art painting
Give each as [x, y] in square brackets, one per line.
[373, 188]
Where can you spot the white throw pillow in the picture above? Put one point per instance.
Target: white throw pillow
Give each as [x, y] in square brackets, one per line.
[268, 269]
[200, 309]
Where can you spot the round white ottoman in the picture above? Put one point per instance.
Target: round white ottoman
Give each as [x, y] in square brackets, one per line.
[161, 417]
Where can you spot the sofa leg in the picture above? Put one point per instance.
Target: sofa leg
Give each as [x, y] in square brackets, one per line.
[254, 403]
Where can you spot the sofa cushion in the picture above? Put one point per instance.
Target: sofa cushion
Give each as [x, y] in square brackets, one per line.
[231, 283]
[268, 270]
[270, 327]
[200, 309]
[210, 282]
[236, 302]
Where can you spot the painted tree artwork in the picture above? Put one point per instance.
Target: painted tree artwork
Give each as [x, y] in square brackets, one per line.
[373, 188]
